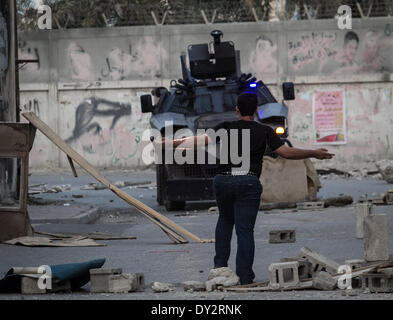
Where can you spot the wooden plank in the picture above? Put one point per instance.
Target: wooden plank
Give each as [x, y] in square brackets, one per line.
[142, 207]
[72, 166]
[145, 210]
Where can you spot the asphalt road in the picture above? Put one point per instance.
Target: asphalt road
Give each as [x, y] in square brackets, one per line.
[330, 232]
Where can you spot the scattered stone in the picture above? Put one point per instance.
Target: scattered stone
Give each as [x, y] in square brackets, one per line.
[213, 210]
[194, 286]
[324, 281]
[385, 168]
[162, 287]
[212, 284]
[389, 197]
[89, 186]
[338, 201]
[221, 277]
[77, 196]
[123, 283]
[277, 205]
[349, 293]
[310, 205]
[221, 272]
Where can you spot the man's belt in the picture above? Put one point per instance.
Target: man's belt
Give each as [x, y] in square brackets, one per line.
[239, 173]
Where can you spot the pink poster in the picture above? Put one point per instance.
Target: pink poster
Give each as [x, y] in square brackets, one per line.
[329, 116]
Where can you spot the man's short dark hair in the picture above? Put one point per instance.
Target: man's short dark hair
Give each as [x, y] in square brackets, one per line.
[247, 103]
[350, 35]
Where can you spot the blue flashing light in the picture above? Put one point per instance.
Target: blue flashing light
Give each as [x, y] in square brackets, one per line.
[253, 85]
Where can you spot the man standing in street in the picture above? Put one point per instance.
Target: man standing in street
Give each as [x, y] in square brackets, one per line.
[238, 193]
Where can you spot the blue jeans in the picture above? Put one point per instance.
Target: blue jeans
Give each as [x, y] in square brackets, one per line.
[238, 199]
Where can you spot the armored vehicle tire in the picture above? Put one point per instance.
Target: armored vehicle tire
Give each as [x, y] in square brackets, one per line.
[174, 205]
[160, 179]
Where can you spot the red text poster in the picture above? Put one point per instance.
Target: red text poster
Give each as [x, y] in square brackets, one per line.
[329, 116]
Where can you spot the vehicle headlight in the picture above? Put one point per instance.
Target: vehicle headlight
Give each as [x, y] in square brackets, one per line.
[280, 130]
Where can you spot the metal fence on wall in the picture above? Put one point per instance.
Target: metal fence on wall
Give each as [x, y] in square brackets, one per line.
[130, 13]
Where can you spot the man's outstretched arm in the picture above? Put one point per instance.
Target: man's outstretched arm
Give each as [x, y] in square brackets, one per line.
[296, 153]
[188, 142]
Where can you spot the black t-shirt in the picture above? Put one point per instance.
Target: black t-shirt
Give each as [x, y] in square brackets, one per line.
[260, 135]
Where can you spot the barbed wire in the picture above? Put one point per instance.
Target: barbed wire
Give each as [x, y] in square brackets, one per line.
[130, 13]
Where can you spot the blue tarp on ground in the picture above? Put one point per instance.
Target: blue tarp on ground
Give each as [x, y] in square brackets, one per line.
[77, 273]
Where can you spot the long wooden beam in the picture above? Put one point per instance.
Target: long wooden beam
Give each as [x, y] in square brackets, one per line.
[173, 230]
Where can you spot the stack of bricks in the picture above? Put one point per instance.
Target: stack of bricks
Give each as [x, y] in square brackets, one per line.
[290, 271]
[114, 281]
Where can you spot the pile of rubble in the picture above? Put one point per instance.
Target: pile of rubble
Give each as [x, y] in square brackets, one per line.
[43, 188]
[382, 169]
[310, 270]
[119, 184]
[385, 168]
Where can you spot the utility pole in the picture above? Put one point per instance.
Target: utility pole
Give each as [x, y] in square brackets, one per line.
[9, 89]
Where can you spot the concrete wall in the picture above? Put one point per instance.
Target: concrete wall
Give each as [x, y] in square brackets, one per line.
[88, 82]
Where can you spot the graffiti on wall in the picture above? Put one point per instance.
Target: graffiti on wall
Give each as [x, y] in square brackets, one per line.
[263, 58]
[89, 110]
[99, 131]
[338, 52]
[27, 51]
[32, 105]
[140, 60]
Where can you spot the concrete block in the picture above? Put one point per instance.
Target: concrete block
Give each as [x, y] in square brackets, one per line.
[119, 283]
[362, 210]
[315, 205]
[106, 271]
[126, 282]
[282, 236]
[30, 286]
[304, 267]
[389, 197]
[376, 238]
[99, 279]
[284, 275]
[318, 261]
[112, 281]
[377, 282]
[324, 281]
